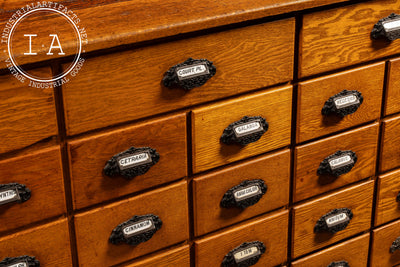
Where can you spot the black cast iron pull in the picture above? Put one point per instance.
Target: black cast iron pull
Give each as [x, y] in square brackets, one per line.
[189, 74]
[21, 261]
[131, 162]
[334, 221]
[244, 195]
[398, 197]
[395, 245]
[244, 131]
[339, 264]
[343, 103]
[14, 192]
[388, 28]
[136, 230]
[247, 254]
[338, 164]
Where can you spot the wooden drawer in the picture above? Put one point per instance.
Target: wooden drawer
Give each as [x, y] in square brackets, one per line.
[354, 252]
[88, 157]
[93, 230]
[363, 141]
[209, 190]
[209, 122]
[390, 156]
[47, 243]
[305, 216]
[28, 114]
[313, 95]
[245, 60]
[387, 206]
[174, 257]
[392, 100]
[383, 238]
[340, 37]
[41, 173]
[270, 230]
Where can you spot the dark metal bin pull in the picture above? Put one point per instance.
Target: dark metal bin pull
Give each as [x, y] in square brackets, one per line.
[395, 245]
[339, 264]
[244, 195]
[334, 221]
[338, 164]
[247, 254]
[388, 28]
[14, 192]
[343, 103]
[244, 131]
[22, 261]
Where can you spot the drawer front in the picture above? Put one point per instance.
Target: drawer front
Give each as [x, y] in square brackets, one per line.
[354, 252]
[340, 37]
[387, 205]
[39, 172]
[362, 141]
[313, 95]
[47, 243]
[174, 257]
[270, 230]
[390, 156]
[392, 101]
[305, 217]
[210, 189]
[28, 114]
[245, 60]
[93, 231]
[209, 123]
[383, 239]
[89, 156]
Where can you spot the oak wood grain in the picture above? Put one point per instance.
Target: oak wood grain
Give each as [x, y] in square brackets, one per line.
[363, 141]
[313, 94]
[93, 228]
[392, 99]
[208, 190]
[383, 238]
[358, 198]
[209, 122]
[179, 257]
[89, 155]
[271, 230]
[390, 153]
[387, 208]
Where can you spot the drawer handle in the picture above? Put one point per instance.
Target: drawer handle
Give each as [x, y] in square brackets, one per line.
[137, 230]
[338, 164]
[387, 28]
[398, 197]
[395, 245]
[21, 261]
[14, 192]
[339, 264]
[132, 162]
[334, 221]
[343, 103]
[244, 131]
[247, 254]
[244, 195]
[189, 74]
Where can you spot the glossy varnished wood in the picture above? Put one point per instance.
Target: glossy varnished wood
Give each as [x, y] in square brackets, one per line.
[271, 230]
[89, 155]
[209, 189]
[49, 243]
[340, 37]
[354, 252]
[383, 238]
[179, 257]
[209, 122]
[132, 87]
[387, 207]
[307, 182]
[358, 198]
[392, 103]
[313, 94]
[93, 228]
[390, 155]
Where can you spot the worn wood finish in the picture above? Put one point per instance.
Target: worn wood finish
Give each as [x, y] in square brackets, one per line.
[209, 189]
[392, 100]
[41, 173]
[244, 58]
[209, 122]
[174, 257]
[390, 154]
[307, 182]
[383, 238]
[354, 252]
[340, 37]
[27, 115]
[271, 230]
[313, 94]
[49, 243]
[89, 155]
[92, 230]
[358, 198]
[387, 208]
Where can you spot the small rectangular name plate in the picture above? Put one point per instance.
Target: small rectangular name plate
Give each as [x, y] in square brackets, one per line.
[247, 128]
[392, 25]
[19, 264]
[345, 101]
[336, 219]
[140, 158]
[246, 254]
[338, 162]
[246, 192]
[9, 195]
[191, 71]
[138, 228]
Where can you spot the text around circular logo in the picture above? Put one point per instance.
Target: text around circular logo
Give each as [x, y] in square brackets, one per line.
[44, 32]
